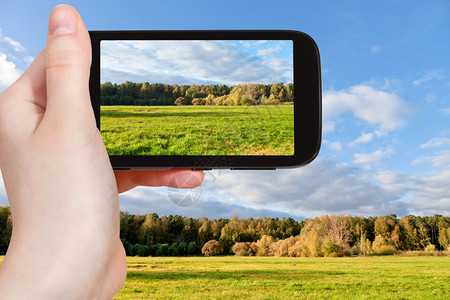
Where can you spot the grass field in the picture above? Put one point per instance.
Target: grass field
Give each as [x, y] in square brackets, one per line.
[198, 130]
[231, 277]
[390, 277]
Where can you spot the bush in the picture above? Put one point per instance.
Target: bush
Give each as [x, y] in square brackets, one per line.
[141, 250]
[211, 248]
[182, 248]
[331, 249]
[191, 248]
[163, 250]
[241, 249]
[385, 250]
[430, 247]
[173, 250]
[180, 101]
[154, 249]
[197, 101]
[264, 245]
[285, 245]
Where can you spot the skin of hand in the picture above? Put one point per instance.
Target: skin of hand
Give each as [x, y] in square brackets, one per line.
[61, 188]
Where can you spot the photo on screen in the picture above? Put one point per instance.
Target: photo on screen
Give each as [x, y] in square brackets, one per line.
[197, 97]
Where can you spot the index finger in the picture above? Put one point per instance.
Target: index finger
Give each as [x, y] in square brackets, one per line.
[185, 179]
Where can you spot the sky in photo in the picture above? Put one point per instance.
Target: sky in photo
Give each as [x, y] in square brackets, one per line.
[386, 102]
[197, 62]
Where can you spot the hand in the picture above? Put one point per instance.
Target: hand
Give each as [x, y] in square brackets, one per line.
[62, 190]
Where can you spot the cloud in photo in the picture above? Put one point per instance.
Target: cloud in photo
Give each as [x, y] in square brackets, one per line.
[194, 62]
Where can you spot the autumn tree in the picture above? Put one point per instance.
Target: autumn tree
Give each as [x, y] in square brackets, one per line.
[180, 101]
[264, 246]
[212, 248]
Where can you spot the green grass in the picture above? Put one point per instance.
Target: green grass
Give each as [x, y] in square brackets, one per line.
[392, 277]
[198, 130]
[231, 277]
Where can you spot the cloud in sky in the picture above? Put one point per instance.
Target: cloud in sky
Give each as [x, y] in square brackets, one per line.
[428, 76]
[385, 110]
[199, 62]
[370, 158]
[323, 187]
[375, 48]
[3, 197]
[332, 184]
[436, 142]
[445, 110]
[8, 72]
[13, 43]
[363, 139]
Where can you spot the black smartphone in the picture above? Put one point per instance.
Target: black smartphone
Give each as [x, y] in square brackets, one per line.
[207, 99]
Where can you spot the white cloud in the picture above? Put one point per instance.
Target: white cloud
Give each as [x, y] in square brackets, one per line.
[439, 159]
[322, 187]
[386, 110]
[428, 76]
[375, 49]
[335, 146]
[3, 197]
[432, 195]
[328, 126]
[8, 72]
[15, 44]
[445, 110]
[393, 182]
[363, 139]
[268, 51]
[188, 62]
[368, 158]
[435, 142]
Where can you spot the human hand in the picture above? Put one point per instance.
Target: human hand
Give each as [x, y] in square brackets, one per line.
[62, 190]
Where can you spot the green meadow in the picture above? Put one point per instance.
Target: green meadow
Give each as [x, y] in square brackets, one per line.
[198, 130]
[231, 277]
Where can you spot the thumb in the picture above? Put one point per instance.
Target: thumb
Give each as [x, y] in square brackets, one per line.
[68, 60]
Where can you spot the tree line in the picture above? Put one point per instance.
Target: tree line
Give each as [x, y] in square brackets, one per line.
[174, 235]
[130, 93]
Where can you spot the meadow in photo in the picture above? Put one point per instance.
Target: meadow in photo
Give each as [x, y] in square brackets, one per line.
[202, 108]
[184, 128]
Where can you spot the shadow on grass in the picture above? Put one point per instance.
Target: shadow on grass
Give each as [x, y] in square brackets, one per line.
[181, 114]
[217, 274]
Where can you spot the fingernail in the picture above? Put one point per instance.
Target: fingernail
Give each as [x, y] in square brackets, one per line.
[62, 20]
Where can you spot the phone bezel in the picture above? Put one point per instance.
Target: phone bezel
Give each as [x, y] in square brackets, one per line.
[307, 111]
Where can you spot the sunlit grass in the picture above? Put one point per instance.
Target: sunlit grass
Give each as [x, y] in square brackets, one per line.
[198, 130]
[233, 277]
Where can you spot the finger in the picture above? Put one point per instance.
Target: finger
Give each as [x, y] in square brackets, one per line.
[126, 180]
[68, 60]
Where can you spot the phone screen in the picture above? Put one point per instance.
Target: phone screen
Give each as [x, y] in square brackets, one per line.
[197, 97]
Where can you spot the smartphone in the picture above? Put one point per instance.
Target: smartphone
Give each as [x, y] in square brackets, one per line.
[226, 99]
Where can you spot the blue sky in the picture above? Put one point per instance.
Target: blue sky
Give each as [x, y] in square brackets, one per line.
[197, 62]
[386, 102]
